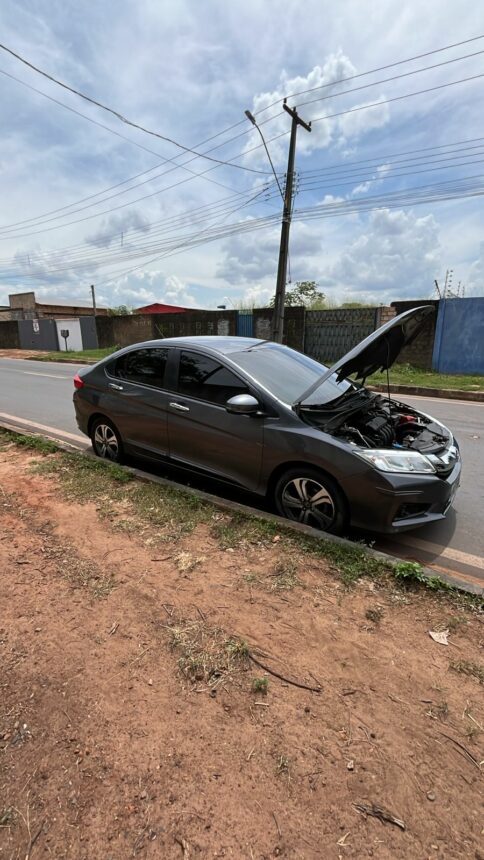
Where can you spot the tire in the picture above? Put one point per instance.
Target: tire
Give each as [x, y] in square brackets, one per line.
[106, 441]
[294, 496]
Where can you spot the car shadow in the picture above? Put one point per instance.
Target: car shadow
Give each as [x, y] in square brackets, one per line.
[440, 533]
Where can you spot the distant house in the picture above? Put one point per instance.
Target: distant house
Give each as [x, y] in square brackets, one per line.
[24, 306]
[159, 308]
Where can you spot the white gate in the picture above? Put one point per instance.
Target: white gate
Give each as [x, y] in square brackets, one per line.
[74, 337]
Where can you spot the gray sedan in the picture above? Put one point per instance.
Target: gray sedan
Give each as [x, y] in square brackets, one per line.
[326, 450]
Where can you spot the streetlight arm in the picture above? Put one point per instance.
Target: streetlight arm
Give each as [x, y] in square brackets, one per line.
[252, 120]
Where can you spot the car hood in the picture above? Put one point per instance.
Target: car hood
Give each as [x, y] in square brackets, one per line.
[379, 350]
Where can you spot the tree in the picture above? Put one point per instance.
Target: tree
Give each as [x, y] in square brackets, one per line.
[304, 293]
[120, 311]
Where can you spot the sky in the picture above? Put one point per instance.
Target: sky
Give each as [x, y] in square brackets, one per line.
[388, 183]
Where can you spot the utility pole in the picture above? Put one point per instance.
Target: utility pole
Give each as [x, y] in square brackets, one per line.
[93, 294]
[278, 317]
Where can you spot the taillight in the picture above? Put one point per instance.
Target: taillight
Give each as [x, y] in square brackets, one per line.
[78, 382]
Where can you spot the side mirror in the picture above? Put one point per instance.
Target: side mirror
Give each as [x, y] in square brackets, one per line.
[243, 404]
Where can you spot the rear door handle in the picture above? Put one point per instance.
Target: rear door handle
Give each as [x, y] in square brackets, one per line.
[116, 387]
[179, 407]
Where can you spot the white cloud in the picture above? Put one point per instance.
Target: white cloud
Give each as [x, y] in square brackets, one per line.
[144, 288]
[323, 81]
[475, 279]
[113, 228]
[394, 254]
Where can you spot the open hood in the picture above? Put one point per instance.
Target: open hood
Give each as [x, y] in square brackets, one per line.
[379, 350]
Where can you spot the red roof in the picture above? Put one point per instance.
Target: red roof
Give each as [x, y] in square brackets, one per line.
[157, 308]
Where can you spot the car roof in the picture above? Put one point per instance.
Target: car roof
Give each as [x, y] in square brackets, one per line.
[215, 343]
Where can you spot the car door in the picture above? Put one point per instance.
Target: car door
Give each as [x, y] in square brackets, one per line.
[138, 401]
[201, 433]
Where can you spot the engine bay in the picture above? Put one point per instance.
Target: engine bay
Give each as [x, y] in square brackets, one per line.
[372, 421]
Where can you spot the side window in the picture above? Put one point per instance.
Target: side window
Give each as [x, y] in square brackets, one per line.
[206, 379]
[145, 366]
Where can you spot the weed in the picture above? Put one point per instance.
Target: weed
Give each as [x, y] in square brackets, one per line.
[412, 573]
[237, 648]
[439, 712]
[455, 622]
[284, 576]
[283, 764]
[466, 667]
[374, 614]
[240, 529]
[260, 685]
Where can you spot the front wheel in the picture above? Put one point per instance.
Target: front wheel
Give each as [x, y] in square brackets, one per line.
[306, 495]
[106, 440]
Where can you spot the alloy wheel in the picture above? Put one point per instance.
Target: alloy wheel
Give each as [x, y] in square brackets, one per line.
[308, 501]
[106, 442]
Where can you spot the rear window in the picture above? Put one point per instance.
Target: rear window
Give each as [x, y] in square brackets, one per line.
[143, 366]
[207, 379]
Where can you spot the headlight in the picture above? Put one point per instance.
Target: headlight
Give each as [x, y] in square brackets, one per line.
[396, 461]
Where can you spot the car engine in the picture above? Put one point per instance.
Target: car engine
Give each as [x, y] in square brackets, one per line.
[373, 421]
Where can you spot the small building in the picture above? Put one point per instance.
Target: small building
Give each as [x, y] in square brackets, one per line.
[159, 308]
[24, 306]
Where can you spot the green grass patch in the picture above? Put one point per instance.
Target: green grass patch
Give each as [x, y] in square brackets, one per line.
[130, 505]
[34, 443]
[163, 513]
[79, 355]
[260, 686]
[406, 374]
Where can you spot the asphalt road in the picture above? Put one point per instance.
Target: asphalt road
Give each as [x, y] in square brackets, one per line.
[40, 394]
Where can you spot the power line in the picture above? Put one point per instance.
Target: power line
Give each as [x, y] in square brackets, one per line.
[398, 98]
[393, 78]
[371, 71]
[120, 116]
[444, 191]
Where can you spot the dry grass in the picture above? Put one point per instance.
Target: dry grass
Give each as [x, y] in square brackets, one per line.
[207, 654]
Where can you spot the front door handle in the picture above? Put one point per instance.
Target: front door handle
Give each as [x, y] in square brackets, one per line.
[179, 407]
[116, 387]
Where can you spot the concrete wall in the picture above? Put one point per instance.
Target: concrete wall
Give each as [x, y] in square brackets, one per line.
[294, 326]
[193, 323]
[9, 335]
[459, 336]
[419, 353]
[135, 328]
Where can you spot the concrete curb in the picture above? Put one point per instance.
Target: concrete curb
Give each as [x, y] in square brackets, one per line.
[64, 360]
[445, 393]
[246, 510]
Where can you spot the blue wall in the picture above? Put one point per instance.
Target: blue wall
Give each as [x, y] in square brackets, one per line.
[459, 336]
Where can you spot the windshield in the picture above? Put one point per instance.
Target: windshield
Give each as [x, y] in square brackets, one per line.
[288, 374]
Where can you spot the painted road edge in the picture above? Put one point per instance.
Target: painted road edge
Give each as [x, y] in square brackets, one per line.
[458, 583]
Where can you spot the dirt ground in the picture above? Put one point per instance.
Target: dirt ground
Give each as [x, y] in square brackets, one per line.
[136, 722]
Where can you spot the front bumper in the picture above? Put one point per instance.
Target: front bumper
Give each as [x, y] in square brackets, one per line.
[390, 503]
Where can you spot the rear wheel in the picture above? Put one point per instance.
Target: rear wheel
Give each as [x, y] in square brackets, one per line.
[306, 495]
[106, 440]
